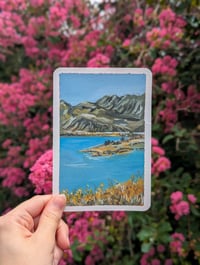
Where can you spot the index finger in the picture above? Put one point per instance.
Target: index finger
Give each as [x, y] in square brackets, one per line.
[35, 205]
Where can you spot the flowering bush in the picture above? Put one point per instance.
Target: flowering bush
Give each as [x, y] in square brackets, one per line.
[39, 35]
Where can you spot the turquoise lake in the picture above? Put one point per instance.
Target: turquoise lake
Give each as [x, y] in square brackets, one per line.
[81, 170]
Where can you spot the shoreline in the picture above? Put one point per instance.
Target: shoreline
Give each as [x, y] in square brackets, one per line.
[81, 133]
[120, 147]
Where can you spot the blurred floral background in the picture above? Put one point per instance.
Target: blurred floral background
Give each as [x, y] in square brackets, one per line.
[37, 36]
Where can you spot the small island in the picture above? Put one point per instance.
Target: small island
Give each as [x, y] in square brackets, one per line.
[122, 146]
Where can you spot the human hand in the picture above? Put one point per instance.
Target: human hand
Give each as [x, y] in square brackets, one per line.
[33, 233]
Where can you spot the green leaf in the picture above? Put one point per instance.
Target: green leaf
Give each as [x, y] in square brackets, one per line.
[146, 233]
[167, 138]
[164, 227]
[146, 247]
[165, 238]
[197, 246]
[153, 53]
[194, 211]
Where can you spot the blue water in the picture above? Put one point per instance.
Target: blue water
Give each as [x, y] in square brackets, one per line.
[81, 170]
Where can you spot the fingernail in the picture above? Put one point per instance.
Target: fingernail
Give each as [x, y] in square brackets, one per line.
[62, 196]
[59, 201]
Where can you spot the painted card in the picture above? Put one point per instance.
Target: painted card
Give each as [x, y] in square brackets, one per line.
[102, 138]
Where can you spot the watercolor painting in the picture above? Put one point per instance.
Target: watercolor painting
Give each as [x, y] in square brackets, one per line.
[102, 138]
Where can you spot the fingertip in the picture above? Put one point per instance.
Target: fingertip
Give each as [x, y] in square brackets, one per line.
[62, 236]
[59, 201]
[51, 216]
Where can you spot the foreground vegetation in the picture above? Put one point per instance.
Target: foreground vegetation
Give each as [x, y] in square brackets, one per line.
[128, 193]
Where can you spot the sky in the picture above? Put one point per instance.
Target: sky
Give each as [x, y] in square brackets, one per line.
[77, 88]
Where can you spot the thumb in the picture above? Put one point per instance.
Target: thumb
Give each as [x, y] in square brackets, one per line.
[50, 217]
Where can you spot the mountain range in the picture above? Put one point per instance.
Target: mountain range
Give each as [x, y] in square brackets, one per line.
[108, 114]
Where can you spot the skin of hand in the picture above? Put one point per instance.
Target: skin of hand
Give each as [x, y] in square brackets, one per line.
[33, 233]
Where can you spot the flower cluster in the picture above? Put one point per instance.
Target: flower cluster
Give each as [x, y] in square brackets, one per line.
[160, 162]
[99, 60]
[170, 30]
[154, 257]
[41, 173]
[180, 207]
[169, 114]
[118, 216]
[180, 101]
[82, 229]
[11, 25]
[18, 112]
[138, 18]
[176, 243]
[166, 65]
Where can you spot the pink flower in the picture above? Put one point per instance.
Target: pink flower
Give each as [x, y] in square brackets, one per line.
[176, 197]
[169, 31]
[57, 14]
[20, 192]
[41, 173]
[118, 215]
[99, 60]
[160, 248]
[97, 253]
[161, 165]
[138, 11]
[30, 45]
[176, 243]
[183, 208]
[75, 20]
[35, 26]
[179, 94]
[89, 260]
[155, 262]
[178, 236]
[7, 143]
[165, 65]
[168, 87]
[168, 262]
[167, 15]
[148, 11]
[192, 198]
[154, 141]
[138, 17]
[126, 43]
[169, 114]
[12, 176]
[152, 252]
[158, 150]
[144, 259]
[36, 3]
[179, 207]
[127, 18]
[91, 38]
[11, 5]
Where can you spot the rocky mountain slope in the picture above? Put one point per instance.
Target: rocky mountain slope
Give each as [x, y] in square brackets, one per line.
[108, 114]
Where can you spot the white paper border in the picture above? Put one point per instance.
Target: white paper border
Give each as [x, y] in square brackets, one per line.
[147, 135]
